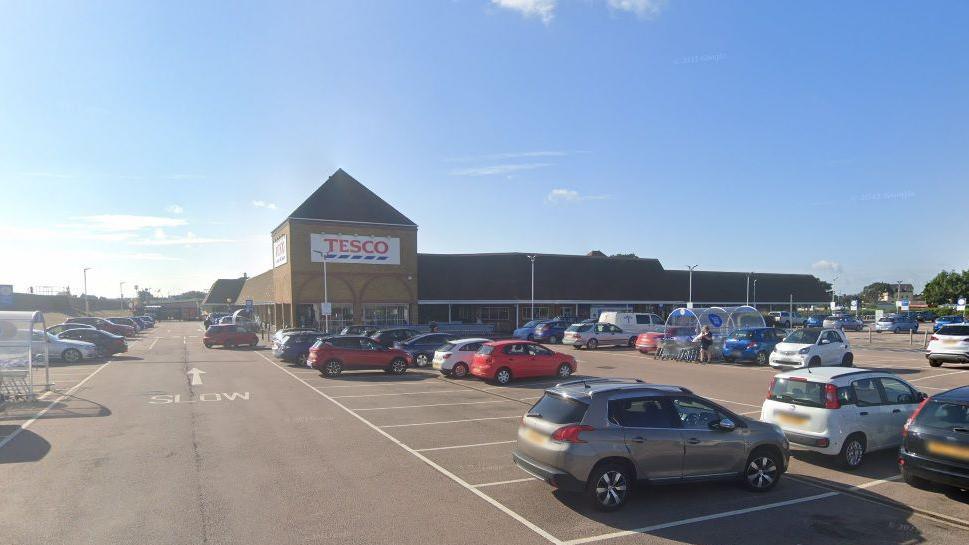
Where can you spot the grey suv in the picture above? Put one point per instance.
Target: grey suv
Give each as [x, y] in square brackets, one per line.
[602, 436]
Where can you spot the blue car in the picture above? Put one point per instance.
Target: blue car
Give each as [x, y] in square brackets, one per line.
[550, 331]
[421, 347]
[295, 347]
[752, 344]
[946, 320]
[815, 320]
[527, 331]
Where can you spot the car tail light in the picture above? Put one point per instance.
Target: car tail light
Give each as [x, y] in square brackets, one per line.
[912, 418]
[831, 397]
[933, 338]
[570, 434]
[770, 389]
[446, 355]
[578, 337]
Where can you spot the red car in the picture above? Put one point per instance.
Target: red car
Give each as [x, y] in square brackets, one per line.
[332, 355]
[648, 342]
[502, 361]
[103, 325]
[229, 336]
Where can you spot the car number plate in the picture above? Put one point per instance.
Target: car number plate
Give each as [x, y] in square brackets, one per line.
[949, 341]
[533, 436]
[791, 419]
[436, 364]
[945, 449]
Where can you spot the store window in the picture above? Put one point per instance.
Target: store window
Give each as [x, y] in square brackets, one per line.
[342, 316]
[494, 314]
[385, 314]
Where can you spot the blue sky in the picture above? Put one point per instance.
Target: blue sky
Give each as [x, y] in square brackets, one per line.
[160, 142]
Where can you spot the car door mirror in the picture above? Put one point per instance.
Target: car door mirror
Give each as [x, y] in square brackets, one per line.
[824, 341]
[724, 424]
[922, 396]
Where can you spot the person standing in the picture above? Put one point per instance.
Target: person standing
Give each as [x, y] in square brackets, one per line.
[706, 341]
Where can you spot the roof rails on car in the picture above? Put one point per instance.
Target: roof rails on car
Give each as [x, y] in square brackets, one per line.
[587, 381]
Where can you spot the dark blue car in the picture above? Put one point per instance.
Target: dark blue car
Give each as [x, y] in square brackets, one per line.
[295, 347]
[421, 347]
[752, 344]
[946, 320]
[550, 331]
[815, 320]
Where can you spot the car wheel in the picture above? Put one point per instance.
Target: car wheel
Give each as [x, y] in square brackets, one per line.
[71, 355]
[763, 470]
[592, 344]
[847, 360]
[460, 370]
[761, 358]
[333, 368]
[553, 340]
[102, 352]
[728, 359]
[253, 344]
[503, 376]
[422, 360]
[609, 486]
[895, 330]
[564, 370]
[935, 363]
[632, 342]
[398, 366]
[301, 359]
[852, 452]
[814, 362]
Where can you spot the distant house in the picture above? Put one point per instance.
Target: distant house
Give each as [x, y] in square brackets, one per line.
[223, 294]
[900, 292]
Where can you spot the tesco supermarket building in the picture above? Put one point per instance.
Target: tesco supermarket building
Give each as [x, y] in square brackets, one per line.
[375, 275]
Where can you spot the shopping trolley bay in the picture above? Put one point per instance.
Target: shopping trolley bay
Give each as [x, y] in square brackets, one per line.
[174, 442]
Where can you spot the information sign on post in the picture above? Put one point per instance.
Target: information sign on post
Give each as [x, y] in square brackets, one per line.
[961, 304]
[904, 305]
[326, 309]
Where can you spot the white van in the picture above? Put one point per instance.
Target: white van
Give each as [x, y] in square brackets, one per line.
[634, 322]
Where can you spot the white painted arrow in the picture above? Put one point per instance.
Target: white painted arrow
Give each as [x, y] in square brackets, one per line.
[196, 376]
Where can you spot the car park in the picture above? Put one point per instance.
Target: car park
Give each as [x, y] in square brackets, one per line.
[633, 323]
[602, 437]
[229, 336]
[896, 324]
[108, 344]
[421, 347]
[846, 322]
[332, 356]
[65, 350]
[947, 320]
[815, 320]
[935, 443]
[130, 322]
[455, 357]
[812, 347]
[840, 412]
[550, 331]
[949, 344]
[387, 337]
[60, 328]
[295, 347]
[504, 361]
[786, 319]
[102, 324]
[752, 344]
[592, 336]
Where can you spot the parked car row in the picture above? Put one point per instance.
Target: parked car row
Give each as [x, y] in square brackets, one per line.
[83, 338]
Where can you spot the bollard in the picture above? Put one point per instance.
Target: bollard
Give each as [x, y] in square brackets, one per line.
[925, 339]
[869, 334]
[911, 337]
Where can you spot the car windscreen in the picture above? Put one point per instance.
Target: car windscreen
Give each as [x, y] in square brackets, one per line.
[486, 349]
[803, 336]
[886, 320]
[532, 323]
[944, 415]
[574, 328]
[741, 335]
[558, 409]
[798, 392]
[954, 330]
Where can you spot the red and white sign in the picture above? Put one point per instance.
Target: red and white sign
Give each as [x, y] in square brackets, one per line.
[355, 249]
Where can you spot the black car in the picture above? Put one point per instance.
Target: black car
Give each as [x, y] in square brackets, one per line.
[108, 344]
[364, 330]
[935, 444]
[926, 316]
[387, 337]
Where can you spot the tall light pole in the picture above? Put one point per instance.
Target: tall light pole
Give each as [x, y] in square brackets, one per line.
[121, 288]
[689, 303]
[87, 306]
[898, 295]
[532, 259]
[326, 295]
[755, 293]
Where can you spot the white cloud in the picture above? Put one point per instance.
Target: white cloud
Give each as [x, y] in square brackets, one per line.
[264, 204]
[567, 196]
[125, 222]
[644, 9]
[542, 9]
[189, 239]
[825, 265]
[174, 209]
[36, 234]
[497, 169]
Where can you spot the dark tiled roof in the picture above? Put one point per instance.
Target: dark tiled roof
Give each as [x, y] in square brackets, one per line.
[342, 198]
[259, 288]
[222, 289]
[593, 278]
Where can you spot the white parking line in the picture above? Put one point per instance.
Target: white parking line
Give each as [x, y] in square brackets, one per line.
[704, 518]
[433, 405]
[495, 503]
[450, 421]
[733, 402]
[152, 345]
[380, 385]
[401, 394]
[525, 480]
[466, 446]
[936, 376]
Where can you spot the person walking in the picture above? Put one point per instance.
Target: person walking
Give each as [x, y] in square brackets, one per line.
[706, 341]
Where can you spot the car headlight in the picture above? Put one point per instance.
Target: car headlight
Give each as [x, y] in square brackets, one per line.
[804, 350]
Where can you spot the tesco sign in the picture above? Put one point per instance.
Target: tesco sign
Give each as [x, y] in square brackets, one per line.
[354, 249]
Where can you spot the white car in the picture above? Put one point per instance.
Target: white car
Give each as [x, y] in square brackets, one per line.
[841, 412]
[593, 336]
[787, 319]
[66, 350]
[634, 323]
[454, 358]
[812, 347]
[949, 343]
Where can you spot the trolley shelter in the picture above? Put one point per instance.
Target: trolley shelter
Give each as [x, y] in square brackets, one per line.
[684, 324]
[23, 347]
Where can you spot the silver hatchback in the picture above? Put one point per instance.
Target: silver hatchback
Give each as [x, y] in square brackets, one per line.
[601, 437]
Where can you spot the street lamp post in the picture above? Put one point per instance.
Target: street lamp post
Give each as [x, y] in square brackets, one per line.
[326, 295]
[748, 289]
[755, 293]
[532, 259]
[689, 303]
[121, 288]
[87, 306]
[898, 295]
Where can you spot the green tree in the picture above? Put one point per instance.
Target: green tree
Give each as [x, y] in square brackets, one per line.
[946, 287]
[624, 255]
[873, 292]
